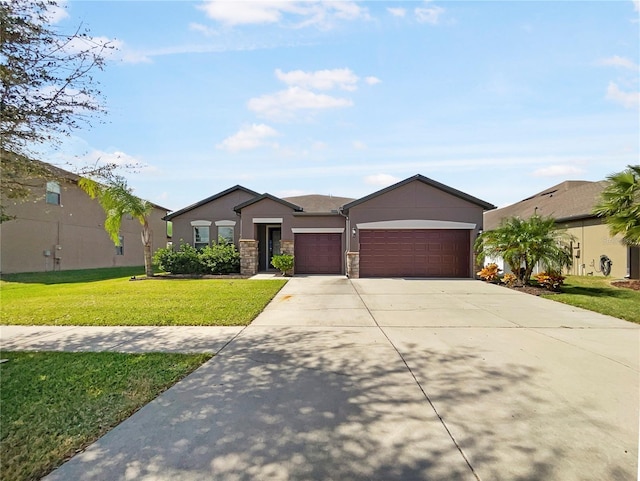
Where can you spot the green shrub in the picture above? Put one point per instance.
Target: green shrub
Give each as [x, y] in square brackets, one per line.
[221, 258]
[283, 263]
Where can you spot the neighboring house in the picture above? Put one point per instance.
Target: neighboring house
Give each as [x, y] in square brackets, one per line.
[415, 228]
[61, 228]
[571, 203]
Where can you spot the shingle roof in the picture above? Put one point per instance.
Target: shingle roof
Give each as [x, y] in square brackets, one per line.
[572, 199]
[319, 203]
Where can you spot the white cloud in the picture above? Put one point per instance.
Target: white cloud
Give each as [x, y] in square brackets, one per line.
[397, 12]
[558, 171]
[206, 31]
[372, 80]
[319, 145]
[629, 100]
[342, 78]
[617, 61]
[359, 145]
[308, 13]
[282, 105]
[381, 179]
[248, 138]
[429, 14]
[636, 5]
[58, 12]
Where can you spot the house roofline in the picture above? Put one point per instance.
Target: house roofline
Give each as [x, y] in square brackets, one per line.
[210, 199]
[424, 180]
[249, 202]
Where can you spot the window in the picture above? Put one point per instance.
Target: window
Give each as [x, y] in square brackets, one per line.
[53, 193]
[200, 236]
[225, 234]
[120, 246]
[226, 231]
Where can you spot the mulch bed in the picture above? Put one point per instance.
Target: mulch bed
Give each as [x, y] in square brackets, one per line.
[629, 284]
[533, 290]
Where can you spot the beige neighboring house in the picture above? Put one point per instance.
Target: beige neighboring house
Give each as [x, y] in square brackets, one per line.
[61, 228]
[571, 203]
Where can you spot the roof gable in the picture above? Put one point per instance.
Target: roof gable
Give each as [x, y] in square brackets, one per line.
[211, 199]
[424, 180]
[259, 198]
[312, 204]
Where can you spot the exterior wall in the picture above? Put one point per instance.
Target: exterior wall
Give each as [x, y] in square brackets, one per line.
[266, 209]
[216, 210]
[415, 200]
[76, 226]
[595, 241]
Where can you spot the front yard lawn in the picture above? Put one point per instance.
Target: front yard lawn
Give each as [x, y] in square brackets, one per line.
[597, 294]
[94, 298]
[54, 404]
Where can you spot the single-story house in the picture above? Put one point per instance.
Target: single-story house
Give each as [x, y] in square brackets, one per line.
[61, 228]
[415, 228]
[594, 250]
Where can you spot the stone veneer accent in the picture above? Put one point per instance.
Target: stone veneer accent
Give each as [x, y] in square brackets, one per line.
[287, 247]
[353, 265]
[248, 257]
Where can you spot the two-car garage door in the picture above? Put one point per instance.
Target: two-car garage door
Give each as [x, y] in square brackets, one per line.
[414, 253]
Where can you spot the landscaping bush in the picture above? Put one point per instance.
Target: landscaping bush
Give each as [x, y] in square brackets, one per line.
[219, 258]
[489, 273]
[550, 280]
[283, 263]
[509, 279]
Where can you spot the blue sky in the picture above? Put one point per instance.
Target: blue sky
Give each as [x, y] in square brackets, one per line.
[497, 99]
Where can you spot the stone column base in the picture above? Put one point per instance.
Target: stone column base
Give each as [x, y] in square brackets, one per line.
[353, 265]
[248, 257]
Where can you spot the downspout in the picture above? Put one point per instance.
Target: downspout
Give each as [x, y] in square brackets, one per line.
[347, 242]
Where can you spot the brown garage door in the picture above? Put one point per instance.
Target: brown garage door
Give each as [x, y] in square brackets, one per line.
[318, 253]
[414, 253]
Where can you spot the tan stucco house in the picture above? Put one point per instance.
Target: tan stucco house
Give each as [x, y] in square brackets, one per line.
[571, 203]
[415, 228]
[61, 228]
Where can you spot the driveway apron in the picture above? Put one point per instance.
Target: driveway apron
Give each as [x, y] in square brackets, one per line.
[393, 379]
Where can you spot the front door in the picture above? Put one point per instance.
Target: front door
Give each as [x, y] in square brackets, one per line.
[273, 244]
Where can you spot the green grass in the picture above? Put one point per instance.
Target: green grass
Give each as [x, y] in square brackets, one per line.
[54, 404]
[597, 294]
[102, 297]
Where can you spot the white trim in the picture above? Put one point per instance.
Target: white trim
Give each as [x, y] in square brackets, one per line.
[317, 230]
[415, 224]
[267, 220]
[225, 223]
[200, 223]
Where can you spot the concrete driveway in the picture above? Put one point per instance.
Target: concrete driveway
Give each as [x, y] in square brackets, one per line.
[391, 379]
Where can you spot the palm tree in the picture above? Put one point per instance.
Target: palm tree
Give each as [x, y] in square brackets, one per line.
[524, 243]
[620, 204]
[117, 200]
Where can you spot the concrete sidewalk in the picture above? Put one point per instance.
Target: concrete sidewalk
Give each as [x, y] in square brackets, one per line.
[391, 379]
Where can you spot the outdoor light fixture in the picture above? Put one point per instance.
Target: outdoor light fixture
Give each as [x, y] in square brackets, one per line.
[353, 232]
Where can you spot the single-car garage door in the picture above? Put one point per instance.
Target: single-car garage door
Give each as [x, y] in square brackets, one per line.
[414, 253]
[318, 253]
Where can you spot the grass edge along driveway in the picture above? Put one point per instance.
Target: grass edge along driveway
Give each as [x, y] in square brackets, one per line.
[97, 298]
[54, 404]
[598, 295]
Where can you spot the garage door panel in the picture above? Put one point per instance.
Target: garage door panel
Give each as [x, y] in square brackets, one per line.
[414, 253]
[318, 253]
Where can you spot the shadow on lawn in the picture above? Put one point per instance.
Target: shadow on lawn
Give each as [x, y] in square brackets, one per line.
[73, 276]
[287, 404]
[609, 292]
